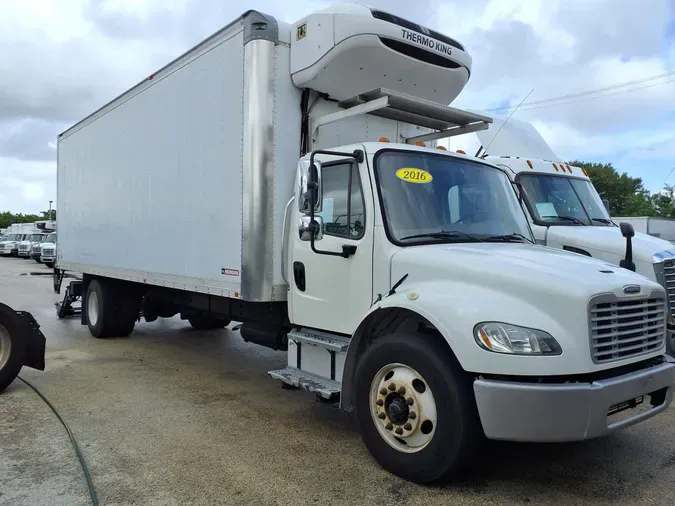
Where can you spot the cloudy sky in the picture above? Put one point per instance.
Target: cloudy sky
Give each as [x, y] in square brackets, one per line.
[60, 60]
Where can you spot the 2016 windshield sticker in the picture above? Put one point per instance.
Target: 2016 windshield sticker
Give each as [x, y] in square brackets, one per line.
[410, 175]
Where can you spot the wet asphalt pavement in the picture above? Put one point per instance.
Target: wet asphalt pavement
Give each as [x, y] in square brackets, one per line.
[172, 416]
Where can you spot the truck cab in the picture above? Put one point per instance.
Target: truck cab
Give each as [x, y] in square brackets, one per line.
[48, 250]
[26, 246]
[563, 207]
[10, 246]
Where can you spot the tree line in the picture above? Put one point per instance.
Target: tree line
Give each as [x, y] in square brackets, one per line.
[7, 217]
[626, 195]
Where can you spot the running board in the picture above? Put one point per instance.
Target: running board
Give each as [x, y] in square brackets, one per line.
[330, 342]
[307, 381]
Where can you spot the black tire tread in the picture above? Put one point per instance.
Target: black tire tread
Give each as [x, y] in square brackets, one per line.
[17, 357]
[450, 452]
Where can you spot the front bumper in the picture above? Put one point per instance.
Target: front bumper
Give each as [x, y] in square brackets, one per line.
[47, 259]
[536, 412]
[24, 253]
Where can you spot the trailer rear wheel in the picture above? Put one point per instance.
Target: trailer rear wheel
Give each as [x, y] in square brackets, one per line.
[415, 408]
[12, 347]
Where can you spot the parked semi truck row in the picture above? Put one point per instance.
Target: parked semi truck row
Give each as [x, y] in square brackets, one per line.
[401, 280]
[565, 210]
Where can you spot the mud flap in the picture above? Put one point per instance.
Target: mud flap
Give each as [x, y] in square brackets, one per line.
[35, 340]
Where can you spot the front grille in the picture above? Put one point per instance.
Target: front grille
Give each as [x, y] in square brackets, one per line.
[23, 247]
[623, 329]
[36, 249]
[48, 252]
[669, 279]
[390, 18]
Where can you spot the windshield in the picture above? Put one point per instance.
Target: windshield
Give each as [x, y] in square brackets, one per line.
[434, 197]
[50, 238]
[36, 238]
[556, 200]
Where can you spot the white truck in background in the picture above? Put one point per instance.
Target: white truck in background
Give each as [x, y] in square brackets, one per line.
[20, 231]
[48, 250]
[663, 228]
[564, 208]
[334, 236]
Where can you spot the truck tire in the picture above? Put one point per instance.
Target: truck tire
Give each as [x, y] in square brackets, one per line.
[108, 313]
[12, 347]
[415, 408]
[208, 322]
[128, 309]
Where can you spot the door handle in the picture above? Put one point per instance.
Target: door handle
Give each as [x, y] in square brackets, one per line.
[299, 275]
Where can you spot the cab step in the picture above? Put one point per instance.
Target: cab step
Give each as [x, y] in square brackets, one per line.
[330, 342]
[294, 377]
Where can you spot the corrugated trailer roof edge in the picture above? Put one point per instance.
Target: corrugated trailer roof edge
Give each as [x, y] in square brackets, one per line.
[251, 15]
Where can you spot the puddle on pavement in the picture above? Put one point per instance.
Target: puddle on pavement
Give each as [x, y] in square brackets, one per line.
[72, 276]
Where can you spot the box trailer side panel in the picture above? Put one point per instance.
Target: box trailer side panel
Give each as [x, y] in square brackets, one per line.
[662, 227]
[167, 158]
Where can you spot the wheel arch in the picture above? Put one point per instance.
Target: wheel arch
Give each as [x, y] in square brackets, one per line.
[381, 322]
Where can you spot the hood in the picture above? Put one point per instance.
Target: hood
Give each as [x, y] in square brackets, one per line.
[608, 240]
[523, 270]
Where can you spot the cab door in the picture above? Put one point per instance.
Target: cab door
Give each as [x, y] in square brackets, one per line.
[331, 286]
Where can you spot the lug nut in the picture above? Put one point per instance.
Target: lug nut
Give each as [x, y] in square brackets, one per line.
[410, 401]
[407, 426]
[401, 390]
[412, 415]
[380, 402]
[382, 416]
[399, 431]
[389, 426]
[383, 391]
[392, 386]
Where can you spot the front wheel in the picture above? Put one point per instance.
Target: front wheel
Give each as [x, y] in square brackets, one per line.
[415, 408]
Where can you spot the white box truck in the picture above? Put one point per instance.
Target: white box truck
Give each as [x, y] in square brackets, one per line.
[19, 232]
[663, 228]
[400, 280]
[566, 212]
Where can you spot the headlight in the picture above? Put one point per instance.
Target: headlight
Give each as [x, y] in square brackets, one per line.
[515, 340]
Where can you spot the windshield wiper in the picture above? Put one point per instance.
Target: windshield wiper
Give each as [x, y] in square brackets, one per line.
[568, 218]
[510, 238]
[443, 234]
[603, 220]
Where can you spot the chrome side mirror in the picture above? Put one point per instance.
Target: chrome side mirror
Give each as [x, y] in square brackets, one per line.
[308, 228]
[309, 186]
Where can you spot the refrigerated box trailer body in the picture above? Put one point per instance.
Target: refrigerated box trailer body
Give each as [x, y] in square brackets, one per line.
[223, 124]
[311, 217]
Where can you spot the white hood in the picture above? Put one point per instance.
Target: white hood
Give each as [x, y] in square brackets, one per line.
[608, 240]
[523, 270]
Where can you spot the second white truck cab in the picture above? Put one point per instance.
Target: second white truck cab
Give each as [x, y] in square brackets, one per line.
[402, 281]
[26, 246]
[563, 207]
[48, 250]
